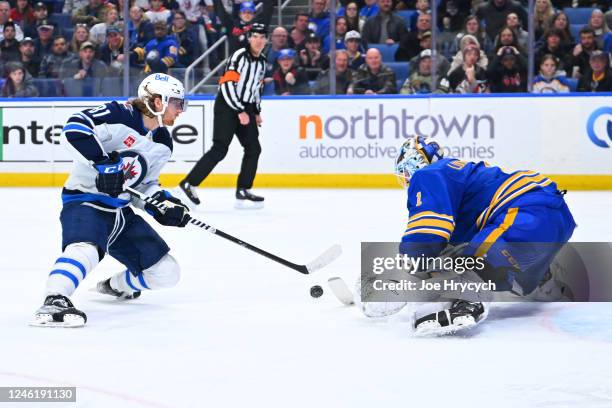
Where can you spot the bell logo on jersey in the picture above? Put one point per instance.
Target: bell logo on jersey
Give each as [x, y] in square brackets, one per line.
[129, 141]
[134, 168]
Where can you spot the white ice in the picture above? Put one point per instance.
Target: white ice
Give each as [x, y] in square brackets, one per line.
[241, 331]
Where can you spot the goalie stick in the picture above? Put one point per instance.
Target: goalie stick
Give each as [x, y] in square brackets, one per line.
[341, 290]
[321, 261]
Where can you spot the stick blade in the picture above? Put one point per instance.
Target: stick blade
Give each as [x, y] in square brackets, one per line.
[325, 258]
[341, 291]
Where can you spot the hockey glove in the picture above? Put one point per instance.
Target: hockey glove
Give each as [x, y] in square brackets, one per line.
[175, 214]
[110, 177]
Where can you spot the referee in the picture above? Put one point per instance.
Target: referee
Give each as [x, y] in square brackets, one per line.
[237, 112]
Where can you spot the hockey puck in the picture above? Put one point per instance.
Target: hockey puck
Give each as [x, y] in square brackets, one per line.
[316, 291]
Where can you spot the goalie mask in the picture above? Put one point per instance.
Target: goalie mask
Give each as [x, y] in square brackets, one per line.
[416, 153]
[169, 88]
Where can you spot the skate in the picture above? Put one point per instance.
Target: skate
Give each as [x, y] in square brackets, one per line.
[188, 191]
[105, 288]
[246, 200]
[58, 311]
[460, 316]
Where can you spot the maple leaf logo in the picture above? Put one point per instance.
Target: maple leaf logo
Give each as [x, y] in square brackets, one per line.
[129, 171]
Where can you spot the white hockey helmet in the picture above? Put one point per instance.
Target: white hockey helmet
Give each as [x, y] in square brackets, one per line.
[169, 88]
[416, 153]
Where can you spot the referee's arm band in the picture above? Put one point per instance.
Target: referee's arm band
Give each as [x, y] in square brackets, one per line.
[229, 76]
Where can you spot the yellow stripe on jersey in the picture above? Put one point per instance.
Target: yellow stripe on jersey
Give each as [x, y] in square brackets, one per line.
[431, 214]
[497, 232]
[442, 234]
[431, 222]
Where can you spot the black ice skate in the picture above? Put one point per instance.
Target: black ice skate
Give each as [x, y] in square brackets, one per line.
[105, 288]
[58, 311]
[189, 191]
[247, 200]
[461, 315]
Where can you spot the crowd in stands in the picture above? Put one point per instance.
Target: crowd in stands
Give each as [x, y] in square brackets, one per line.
[76, 47]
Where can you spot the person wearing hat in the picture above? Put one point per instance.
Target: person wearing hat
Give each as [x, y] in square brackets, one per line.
[43, 42]
[5, 9]
[161, 53]
[420, 79]
[111, 52]
[18, 83]
[344, 76]
[28, 58]
[289, 79]
[9, 46]
[352, 43]
[507, 72]
[237, 29]
[40, 15]
[90, 14]
[599, 77]
[52, 62]
[311, 57]
[237, 111]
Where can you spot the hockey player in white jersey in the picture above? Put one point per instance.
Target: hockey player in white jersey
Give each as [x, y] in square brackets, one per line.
[116, 145]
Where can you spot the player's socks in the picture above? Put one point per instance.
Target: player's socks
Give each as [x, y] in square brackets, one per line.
[461, 315]
[71, 268]
[126, 284]
[247, 200]
[58, 311]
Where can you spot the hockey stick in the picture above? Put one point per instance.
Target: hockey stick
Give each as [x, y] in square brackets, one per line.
[321, 261]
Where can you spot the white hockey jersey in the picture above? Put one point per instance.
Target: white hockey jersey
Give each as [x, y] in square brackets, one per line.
[90, 134]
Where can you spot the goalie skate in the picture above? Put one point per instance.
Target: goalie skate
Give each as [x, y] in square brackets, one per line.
[58, 311]
[462, 315]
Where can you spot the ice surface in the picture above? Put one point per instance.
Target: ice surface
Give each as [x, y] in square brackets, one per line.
[242, 331]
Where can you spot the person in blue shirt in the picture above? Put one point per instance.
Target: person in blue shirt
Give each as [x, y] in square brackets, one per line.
[161, 53]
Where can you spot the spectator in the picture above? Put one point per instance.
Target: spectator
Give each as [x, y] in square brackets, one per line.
[18, 84]
[344, 76]
[507, 72]
[548, 81]
[86, 66]
[22, 13]
[341, 29]
[469, 41]
[141, 30]
[81, 34]
[385, 28]
[279, 40]
[186, 39]
[319, 18]
[561, 22]
[44, 42]
[579, 62]
[469, 77]
[158, 12]
[522, 36]
[373, 77]
[97, 34]
[438, 60]
[543, 15]
[422, 7]
[411, 42]
[71, 5]
[311, 57]
[91, 14]
[51, 63]
[598, 25]
[111, 52]
[474, 28]
[5, 9]
[237, 28]
[420, 80]
[352, 42]
[197, 15]
[353, 21]
[494, 13]
[369, 10]
[28, 57]
[297, 40]
[300, 23]
[40, 17]
[507, 38]
[599, 77]
[160, 53]
[9, 46]
[289, 79]
[552, 45]
[450, 16]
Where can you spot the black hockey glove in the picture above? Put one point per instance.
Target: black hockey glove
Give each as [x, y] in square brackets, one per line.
[175, 214]
[110, 178]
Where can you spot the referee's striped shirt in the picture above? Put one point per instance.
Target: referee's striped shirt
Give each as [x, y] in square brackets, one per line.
[242, 81]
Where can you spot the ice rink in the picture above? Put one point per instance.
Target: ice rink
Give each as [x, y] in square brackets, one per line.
[242, 331]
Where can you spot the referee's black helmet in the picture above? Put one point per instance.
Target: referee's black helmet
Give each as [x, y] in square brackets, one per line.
[259, 29]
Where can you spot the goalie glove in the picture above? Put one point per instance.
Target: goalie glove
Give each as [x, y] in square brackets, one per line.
[176, 214]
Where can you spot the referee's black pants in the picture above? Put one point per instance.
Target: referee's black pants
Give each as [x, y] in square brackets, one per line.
[226, 125]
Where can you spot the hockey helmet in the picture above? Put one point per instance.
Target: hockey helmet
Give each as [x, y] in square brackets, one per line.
[170, 89]
[416, 153]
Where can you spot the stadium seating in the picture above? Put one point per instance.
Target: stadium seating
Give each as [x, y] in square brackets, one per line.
[575, 31]
[578, 15]
[573, 84]
[401, 69]
[62, 20]
[387, 51]
[407, 15]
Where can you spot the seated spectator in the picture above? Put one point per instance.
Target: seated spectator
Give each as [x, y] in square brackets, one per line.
[158, 12]
[279, 40]
[507, 38]
[579, 61]
[44, 43]
[188, 44]
[86, 66]
[474, 28]
[344, 76]
[353, 21]
[543, 15]
[22, 13]
[341, 29]
[319, 18]
[198, 19]
[394, 26]
[299, 30]
[369, 10]
[561, 22]
[373, 77]
[160, 53]
[522, 36]
[97, 33]
[111, 52]
[28, 58]
[494, 13]
[311, 57]
[40, 14]
[599, 77]
[552, 45]
[422, 7]
[80, 35]
[438, 60]
[507, 72]
[469, 77]
[18, 84]
[92, 13]
[469, 41]
[297, 40]
[9, 46]
[51, 63]
[598, 24]
[140, 29]
[450, 16]
[289, 79]
[352, 42]
[413, 42]
[548, 81]
[5, 9]
[420, 79]
[70, 6]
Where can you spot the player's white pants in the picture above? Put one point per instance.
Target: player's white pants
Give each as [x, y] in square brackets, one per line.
[71, 268]
[164, 274]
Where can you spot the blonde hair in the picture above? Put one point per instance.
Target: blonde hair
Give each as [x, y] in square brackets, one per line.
[141, 105]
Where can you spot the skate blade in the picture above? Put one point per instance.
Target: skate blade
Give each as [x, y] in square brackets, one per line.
[46, 320]
[250, 205]
[433, 328]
